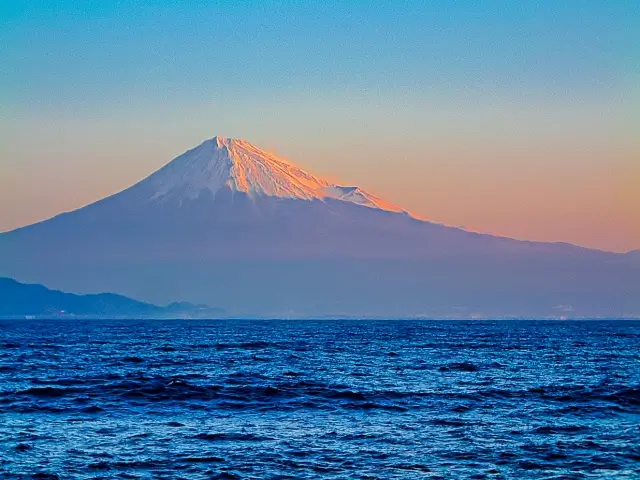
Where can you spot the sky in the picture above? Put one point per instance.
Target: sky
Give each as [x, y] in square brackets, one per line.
[514, 118]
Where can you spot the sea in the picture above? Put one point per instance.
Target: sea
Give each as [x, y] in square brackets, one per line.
[248, 399]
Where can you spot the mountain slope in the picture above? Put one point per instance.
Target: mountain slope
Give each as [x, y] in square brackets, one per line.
[634, 255]
[226, 223]
[20, 300]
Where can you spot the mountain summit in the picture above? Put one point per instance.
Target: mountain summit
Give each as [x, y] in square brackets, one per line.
[236, 165]
[228, 224]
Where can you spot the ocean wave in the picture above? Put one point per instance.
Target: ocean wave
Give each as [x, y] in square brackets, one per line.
[319, 399]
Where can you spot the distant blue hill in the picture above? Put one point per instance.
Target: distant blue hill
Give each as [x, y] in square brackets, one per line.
[19, 300]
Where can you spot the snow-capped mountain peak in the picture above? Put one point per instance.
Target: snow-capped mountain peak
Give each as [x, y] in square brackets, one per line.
[238, 165]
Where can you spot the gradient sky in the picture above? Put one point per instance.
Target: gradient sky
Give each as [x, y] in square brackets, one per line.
[516, 118]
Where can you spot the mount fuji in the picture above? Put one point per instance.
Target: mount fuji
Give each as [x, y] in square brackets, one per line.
[228, 224]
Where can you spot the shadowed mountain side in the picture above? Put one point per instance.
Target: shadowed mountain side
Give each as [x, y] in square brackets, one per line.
[234, 225]
[19, 300]
[284, 257]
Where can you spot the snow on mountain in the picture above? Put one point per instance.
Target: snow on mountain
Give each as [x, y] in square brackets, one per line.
[237, 165]
[359, 196]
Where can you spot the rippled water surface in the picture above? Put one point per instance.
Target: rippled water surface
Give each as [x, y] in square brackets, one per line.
[331, 399]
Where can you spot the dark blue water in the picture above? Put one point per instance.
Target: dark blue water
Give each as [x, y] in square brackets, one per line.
[334, 399]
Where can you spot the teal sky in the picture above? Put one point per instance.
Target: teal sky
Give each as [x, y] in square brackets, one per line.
[511, 117]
